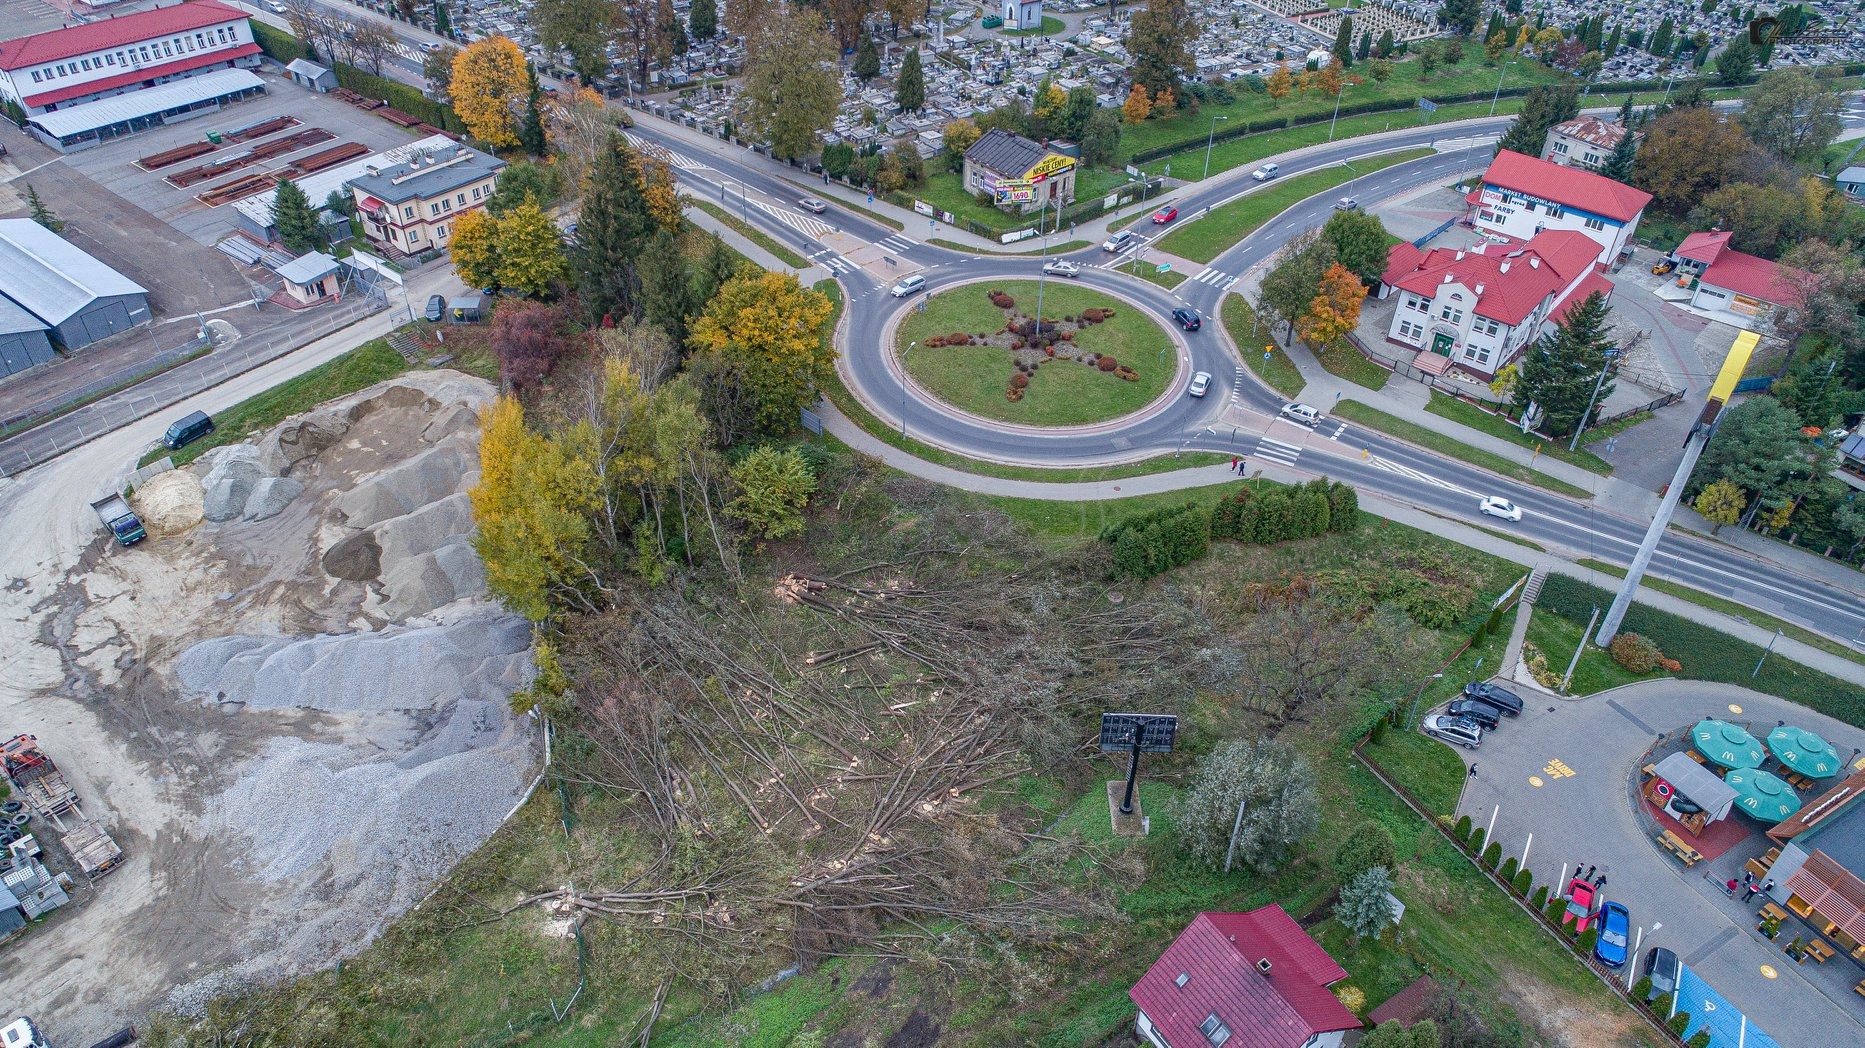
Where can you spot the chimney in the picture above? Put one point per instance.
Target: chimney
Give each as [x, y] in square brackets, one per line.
[1504, 267]
[1534, 261]
[1460, 256]
[1263, 966]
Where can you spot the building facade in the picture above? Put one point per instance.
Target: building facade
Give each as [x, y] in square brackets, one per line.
[1019, 173]
[1584, 142]
[411, 207]
[67, 67]
[1023, 14]
[78, 298]
[1523, 196]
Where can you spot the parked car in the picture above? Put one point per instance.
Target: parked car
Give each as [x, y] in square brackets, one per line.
[1062, 268]
[1661, 967]
[1201, 384]
[1501, 698]
[187, 429]
[436, 309]
[909, 286]
[1301, 413]
[1346, 204]
[1454, 730]
[1615, 932]
[430, 46]
[812, 205]
[1188, 318]
[1164, 215]
[1664, 265]
[1497, 506]
[1482, 713]
[1119, 241]
[1266, 172]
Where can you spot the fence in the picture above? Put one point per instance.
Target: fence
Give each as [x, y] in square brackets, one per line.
[1664, 401]
[123, 378]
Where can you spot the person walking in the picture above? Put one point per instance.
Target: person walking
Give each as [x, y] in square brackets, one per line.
[1768, 887]
[1749, 890]
[1233, 463]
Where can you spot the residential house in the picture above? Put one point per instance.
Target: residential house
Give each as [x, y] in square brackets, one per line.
[67, 67]
[1242, 980]
[411, 207]
[1478, 309]
[1820, 873]
[1018, 172]
[1724, 280]
[1852, 458]
[1584, 142]
[1851, 182]
[1522, 196]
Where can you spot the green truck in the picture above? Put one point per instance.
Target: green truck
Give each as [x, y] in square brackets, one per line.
[120, 519]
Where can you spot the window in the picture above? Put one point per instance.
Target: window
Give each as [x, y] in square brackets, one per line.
[476, 191]
[447, 206]
[1592, 158]
[35, 76]
[1410, 331]
[1419, 304]
[1184, 977]
[1488, 327]
[1455, 316]
[61, 68]
[1214, 1030]
[1560, 147]
[110, 59]
[1556, 211]
[1476, 354]
[462, 199]
[407, 212]
[1596, 224]
[439, 232]
[433, 209]
[85, 64]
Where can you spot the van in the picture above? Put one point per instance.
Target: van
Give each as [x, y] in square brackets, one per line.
[909, 286]
[187, 429]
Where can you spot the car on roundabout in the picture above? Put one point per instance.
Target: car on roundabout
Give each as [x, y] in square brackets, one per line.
[1301, 413]
[1188, 318]
[910, 285]
[1164, 215]
[1266, 172]
[1201, 384]
[1119, 241]
[1497, 506]
[1062, 268]
[1615, 931]
[1455, 730]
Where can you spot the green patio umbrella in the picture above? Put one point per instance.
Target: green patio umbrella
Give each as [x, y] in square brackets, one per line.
[1762, 794]
[1804, 752]
[1726, 744]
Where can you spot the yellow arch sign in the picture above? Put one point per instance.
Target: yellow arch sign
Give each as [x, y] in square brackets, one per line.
[1733, 366]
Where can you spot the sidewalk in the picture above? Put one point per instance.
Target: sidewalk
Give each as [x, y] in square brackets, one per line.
[743, 245]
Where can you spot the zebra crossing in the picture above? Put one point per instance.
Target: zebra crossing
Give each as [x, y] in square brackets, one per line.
[897, 242]
[1277, 451]
[1220, 280]
[678, 161]
[833, 262]
[1420, 475]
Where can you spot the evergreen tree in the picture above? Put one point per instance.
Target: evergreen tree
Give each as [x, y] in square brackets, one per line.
[1618, 163]
[867, 58]
[1366, 46]
[1343, 42]
[531, 132]
[1383, 49]
[294, 218]
[667, 287]
[612, 232]
[1495, 25]
[702, 21]
[1625, 112]
[442, 24]
[1364, 909]
[1590, 40]
[1559, 370]
[1661, 40]
[1612, 42]
[1542, 108]
[1460, 15]
[715, 266]
[910, 86]
[1736, 64]
[44, 216]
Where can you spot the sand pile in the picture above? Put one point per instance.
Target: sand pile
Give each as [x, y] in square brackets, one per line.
[169, 503]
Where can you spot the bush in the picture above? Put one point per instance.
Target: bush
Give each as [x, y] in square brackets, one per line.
[1343, 507]
[1476, 840]
[1635, 652]
[1366, 846]
[1492, 854]
[1002, 301]
[1554, 909]
[1013, 394]
[1019, 380]
[1589, 939]
[1670, 665]
[1541, 897]
[1523, 879]
[1641, 990]
[1107, 363]
[1152, 543]
[1679, 1023]
[1700, 1039]
[1662, 1006]
[1507, 873]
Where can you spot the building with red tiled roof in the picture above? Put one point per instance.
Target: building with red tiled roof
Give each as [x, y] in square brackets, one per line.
[67, 67]
[1723, 279]
[1522, 196]
[1242, 980]
[1583, 142]
[1478, 309]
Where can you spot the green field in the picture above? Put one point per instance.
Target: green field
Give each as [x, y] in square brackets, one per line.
[1210, 235]
[1050, 27]
[1060, 393]
[1278, 370]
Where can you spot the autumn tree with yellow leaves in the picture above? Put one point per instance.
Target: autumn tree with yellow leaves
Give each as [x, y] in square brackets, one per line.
[520, 251]
[763, 332]
[489, 88]
[1335, 310]
[1137, 106]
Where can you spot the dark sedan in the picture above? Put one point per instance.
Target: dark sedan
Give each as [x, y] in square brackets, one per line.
[1501, 698]
[1485, 715]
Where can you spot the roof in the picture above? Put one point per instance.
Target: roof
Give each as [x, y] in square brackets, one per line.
[1594, 281]
[1748, 275]
[1855, 173]
[1402, 259]
[89, 116]
[1580, 190]
[50, 277]
[1218, 954]
[1003, 153]
[137, 76]
[1842, 838]
[1833, 890]
[1704, 787]
[1845, 792]
[1854, 447]
[305, 67]
[14, 320]
[1407, 1006]
[319, 185]
[1591, 130]
[392, 185]
[1512, 282]
[52, 45]
[307, 269]
[1704, 247]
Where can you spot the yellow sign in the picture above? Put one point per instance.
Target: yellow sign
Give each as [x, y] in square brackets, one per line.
[1557, 769]
[1053, 164]
[1733, 365]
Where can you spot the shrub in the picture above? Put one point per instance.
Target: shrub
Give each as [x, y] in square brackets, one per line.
[959, 339]
[1092, 315]
[1151, 543]
[1492, 854]
[1508, 869]
[1002, 301]
[1128, 374]
[1541, 897]
[1476, 840]
[1663, 1005]
[934, 341]
[1679, 1023]
[1013, 394]
[1641, 990]
[1015, 343]
[1019, 380]
[1523, 879]
[1463, 827]
[1343, 507]
[1107, 363]
[1700, 1039]
[1366, 846]
[1635, 652]
[1589, 939]
[1671, 665]
[1555, 907]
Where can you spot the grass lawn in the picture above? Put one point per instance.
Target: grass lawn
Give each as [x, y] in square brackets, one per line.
[364, 366]
[1061, 392]
[1342, 360]
[1212, 234]
[1373, 418]
[749, 232]
[1558, 638]
[1169, 279]
[1050, 27]
[1445, 406]
[945, 190]
[1067, 523]
[1278, 370]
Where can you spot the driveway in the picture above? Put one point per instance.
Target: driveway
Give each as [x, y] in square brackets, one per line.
[1563, 771]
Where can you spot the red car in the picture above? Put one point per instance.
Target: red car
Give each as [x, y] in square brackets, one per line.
[1164, 215]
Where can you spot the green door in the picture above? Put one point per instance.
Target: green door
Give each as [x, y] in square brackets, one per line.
[1441, 344]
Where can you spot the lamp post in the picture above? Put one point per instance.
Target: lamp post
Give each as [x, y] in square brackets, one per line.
[1502, 70]
[903, 389]
[1042, 275]
[1631, 967]
[1336, 116]
[1597, 383]
[1412, 717]
[1208, 141]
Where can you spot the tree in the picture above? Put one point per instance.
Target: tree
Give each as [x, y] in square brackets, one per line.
[1611, 50]
[437, 70]
[579, 129]
[530, 251]
[1721, 504]
[371, 44]
[1364, 910]
[1368, 845]
[1335, 309]
[1793, 114]
[1765, 220]
[910, 85]
[1380, 70]
[292, 215]
[1100, 140]
[1828, 283]
[443, 24]
[529, 340]
[1688, 153]
[669, 33]
[584, 28]
[1359, 240]
[1736, 64]
[1384, 48]
[1292, 282]
[1460, 15]
[1547, 41]
[1364, 49]
[42, 214]
[1542, 108]
[1662, 38]
[667, 297]
[522, 181]
[1389, 1034]
[474, 247]
[1272, 782]
[612, 232]
[1428, 57]
[1343, 42]
[1137, 106]
[659, 192]
[958, 136]
[1495, 46]
[702, 19]
[1559, 370]
[773, 488]
[1077, 109]
[531, 132]
[1622, 161]
[1278, 85]
[1757, 446]
[771, 328]
[867, 59]
[791, 88]
[528, 510]
[1159, 39]
[489, 84]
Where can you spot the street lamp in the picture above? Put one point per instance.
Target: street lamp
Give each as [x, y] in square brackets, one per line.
[1604, 368]
[903, 390]
[1208, 140]
[1336, 116]
[1502, 70]
[1631, 968]
[1412, 717]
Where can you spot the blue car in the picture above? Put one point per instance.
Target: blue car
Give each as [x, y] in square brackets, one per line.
[1615, 930]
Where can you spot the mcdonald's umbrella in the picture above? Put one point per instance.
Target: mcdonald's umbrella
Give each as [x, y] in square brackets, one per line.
[1804, 752]
[1726, 744]
[1762, 795]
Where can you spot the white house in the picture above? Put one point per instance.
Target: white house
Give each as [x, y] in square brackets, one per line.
[1478, 309]
[1023, 14]
[1522, 196]
[67, 67]
[1583, 142]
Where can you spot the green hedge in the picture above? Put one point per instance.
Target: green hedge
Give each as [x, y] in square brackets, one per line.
[1262, 513]
[1707, 654]
[277, 44]
[1153, 543]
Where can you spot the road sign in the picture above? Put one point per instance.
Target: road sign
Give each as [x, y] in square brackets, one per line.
[1162, 267]
[1427, 105]
[812, 421]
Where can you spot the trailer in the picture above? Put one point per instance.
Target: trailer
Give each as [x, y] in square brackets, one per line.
[120, 519]
[46, 791]
[94, 850]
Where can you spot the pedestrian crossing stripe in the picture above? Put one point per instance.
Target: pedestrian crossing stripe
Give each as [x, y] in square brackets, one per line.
[1420, 475]
[1215, 278]
[1277, 451]
[663, 154]
[898, 242]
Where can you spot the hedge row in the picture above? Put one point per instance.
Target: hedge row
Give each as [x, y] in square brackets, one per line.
[1153, 543]
[1707, 654]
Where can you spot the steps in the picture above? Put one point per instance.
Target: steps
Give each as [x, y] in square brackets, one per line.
[1533, 590]
[408, 345]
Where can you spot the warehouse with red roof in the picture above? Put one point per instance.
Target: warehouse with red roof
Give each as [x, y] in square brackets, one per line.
[1522, 196]
[1722, 279]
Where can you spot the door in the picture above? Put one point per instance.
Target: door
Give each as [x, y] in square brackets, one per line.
[1441, 344]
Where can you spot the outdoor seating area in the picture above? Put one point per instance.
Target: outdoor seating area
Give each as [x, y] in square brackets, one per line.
[1674, 844]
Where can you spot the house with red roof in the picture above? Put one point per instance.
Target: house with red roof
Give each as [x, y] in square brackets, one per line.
[1584, 141]
[1242, 980]
[1477, 309]
[1722, 279]
[1522, 196]
[79, 64]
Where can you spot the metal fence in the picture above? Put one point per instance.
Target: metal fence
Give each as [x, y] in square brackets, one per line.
[161, 361]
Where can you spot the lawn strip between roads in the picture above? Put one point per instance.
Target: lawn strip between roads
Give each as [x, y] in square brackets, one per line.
[1277, 370]
[1432, 440]
[1464, 413]
[748, 231]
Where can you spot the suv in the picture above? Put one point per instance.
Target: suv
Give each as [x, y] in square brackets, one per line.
[1265, 173]
[1454, 730]
[1482, 713]
[1661, 968]
[1188, 318]
[1501, 698]
[1118, 241]
[1301, 413]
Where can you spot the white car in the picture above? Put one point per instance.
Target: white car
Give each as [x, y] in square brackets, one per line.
[430, 46]
[1201, 384]
[1265, 173]
[1454, 730]
[908, 286]
[275, 7]
[1062, 269]
[1496, 506]
[1118, 241]
[1346, 204]
[1301, 413]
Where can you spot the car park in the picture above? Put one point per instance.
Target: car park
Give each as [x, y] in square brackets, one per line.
[1188, 318]
[436, 309]
[1164, 215]
[812, 205]
[1062, 268]
[1201, 384]
[1662, 968]
[908, 286]
[1301, 413]
[1454, 730]
[1501, 698]
[1477, 711]
[1615, 930]
[1266, 172]
[1346, 204]
[1119, 241]
[1497, 506]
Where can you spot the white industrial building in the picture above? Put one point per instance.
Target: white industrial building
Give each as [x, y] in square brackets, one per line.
[49, 71]
[1522, 196]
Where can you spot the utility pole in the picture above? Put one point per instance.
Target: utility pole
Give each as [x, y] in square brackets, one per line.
[1235, 828]
[1604, 369]
[1212, 137]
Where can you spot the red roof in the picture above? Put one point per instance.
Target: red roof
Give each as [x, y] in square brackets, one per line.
[1572, 187]
[1704, 247]
[1218, 955]
[180, 65]
[1402, 259]
[106, 33]
[1513, 281]
[1751, 276]
[1407, 1006]
[1594, 282]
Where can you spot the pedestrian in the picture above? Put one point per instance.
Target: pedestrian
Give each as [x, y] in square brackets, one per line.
[1233, 463]
[1749, 891]
[1767, 888]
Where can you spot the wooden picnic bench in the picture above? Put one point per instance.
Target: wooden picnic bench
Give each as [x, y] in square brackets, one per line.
[1756, 869]
[1771, 912]
[1679, 847]
[1820, 951]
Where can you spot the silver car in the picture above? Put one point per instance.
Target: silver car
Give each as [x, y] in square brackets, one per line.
[1301, 413]
[1201, 384]
[1455, 730]
[1062, 268]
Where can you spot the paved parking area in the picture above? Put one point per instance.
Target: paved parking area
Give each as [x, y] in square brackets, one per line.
[1564, 772]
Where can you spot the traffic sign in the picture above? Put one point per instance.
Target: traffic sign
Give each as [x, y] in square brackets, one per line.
[1162, 267]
